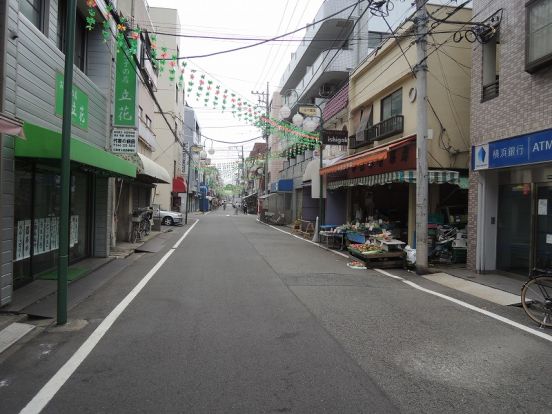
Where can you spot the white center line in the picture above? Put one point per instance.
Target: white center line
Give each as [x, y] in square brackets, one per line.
[50, 389]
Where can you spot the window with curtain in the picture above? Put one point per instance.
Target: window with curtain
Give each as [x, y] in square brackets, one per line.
[539, 34]
[391, 105]
[33, 10]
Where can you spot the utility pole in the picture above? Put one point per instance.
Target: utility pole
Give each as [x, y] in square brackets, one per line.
[65, 179]
[421, 143]
[266, 101]
[188, 183]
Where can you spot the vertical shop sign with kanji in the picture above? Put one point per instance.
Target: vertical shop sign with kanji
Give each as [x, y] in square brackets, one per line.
[125, 90]
[79, 104]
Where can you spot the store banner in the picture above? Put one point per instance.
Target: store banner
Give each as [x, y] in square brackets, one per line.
[125, 89]
[79, 104]
[521, 150]
[335, 137]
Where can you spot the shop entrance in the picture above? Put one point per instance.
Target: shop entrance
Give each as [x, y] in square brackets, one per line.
[543, 227]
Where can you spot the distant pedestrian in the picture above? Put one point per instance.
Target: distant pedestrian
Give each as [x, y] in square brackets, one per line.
[236, 209]
[244, 208]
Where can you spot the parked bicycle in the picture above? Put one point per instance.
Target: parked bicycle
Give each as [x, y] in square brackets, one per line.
[536, 297]
[141, 223]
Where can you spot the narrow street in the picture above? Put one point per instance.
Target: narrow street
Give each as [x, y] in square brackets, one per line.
[243, 318]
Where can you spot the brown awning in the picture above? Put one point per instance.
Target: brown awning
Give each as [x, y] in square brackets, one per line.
[367, 157]
[11, 125]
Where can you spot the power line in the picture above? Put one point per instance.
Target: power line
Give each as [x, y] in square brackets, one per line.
[270, 39]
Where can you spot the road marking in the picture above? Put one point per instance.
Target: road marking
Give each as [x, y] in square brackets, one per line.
[471, 307]
[305, 240]
[184, 236]
[50, 389]
[13, 333]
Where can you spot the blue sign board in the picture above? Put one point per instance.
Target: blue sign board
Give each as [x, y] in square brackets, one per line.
[521, 150]
[285, 185]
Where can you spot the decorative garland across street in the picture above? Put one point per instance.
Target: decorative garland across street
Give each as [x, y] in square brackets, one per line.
[206, 91]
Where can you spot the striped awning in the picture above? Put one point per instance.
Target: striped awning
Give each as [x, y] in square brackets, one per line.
[409, 176]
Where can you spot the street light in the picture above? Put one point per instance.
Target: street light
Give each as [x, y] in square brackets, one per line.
[309, 124]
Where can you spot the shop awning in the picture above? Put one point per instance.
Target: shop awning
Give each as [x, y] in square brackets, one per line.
[435, 177]
[11, 125]
[267, 196]
[179, 185]
[367, 157]
[249, 196]
[44, 143]
[154, 171]
[355, 161]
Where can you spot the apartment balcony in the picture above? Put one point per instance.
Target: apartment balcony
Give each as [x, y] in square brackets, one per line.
[385, 129]
[325, 70]
[322, 36]
[147, 135]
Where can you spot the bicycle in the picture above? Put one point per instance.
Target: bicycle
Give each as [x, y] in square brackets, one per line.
[536, 297]
[141, 224]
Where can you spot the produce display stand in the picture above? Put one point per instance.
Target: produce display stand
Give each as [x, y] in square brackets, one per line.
[388, 254]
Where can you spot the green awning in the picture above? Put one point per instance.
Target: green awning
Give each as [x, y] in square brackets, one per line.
[44, 143]
[409, 176]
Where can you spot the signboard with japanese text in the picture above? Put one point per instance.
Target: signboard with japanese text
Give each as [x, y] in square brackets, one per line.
[308, 110]
[334, 137]
[79, 104]
[524, 149]
[125, 90]
[124, 141]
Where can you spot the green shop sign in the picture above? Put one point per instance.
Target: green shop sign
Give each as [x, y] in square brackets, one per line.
[125, 89]
[79, 104]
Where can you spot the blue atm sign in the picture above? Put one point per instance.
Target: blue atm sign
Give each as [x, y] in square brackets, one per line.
[511, 152]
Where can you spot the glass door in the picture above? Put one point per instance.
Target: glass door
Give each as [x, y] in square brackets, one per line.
[543, 227]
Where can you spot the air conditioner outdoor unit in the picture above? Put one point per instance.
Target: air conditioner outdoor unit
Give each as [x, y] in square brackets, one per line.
[326, 90]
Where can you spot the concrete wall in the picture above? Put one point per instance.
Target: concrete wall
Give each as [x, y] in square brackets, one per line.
[522, 106]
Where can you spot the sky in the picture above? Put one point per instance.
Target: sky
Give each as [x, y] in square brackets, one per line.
[241, 71]
[250, 69]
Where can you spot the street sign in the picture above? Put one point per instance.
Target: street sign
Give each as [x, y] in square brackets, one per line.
[330, 137]
[308, 110]
[124, 141]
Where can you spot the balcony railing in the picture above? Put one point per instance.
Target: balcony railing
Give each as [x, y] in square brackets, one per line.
[385, 129]
[489, 92]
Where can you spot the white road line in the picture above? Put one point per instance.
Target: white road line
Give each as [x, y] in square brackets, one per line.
[472, 307]
[184, 236]
[305, 240]
[50, 389]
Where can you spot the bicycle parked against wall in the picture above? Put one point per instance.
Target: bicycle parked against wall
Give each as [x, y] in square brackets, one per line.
[141, 223]
[536, 296]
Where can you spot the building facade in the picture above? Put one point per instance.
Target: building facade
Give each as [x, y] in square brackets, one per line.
[377, 180]
[511, 130]
[32, 91]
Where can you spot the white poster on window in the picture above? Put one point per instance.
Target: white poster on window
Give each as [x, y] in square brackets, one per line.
[20, 240]
[47, 233]
[27, 243]
[40, 248]
[74, 232]
[54, 242]
[35, 236]
[76, 229]
[543, 207]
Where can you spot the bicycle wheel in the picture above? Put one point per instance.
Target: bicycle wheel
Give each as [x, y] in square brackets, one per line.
[536, 299]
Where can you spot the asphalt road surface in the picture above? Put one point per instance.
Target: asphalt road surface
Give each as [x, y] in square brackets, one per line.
[242, 318]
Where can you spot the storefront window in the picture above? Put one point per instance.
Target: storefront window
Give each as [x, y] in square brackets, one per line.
[37, 220]
[514, 228]
[543, 242]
